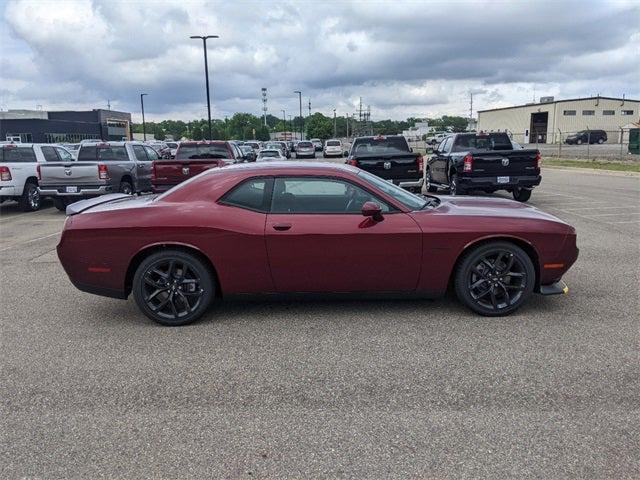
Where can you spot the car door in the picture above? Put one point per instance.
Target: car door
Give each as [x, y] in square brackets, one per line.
[318, 240]
[439, 162]
[145, 167]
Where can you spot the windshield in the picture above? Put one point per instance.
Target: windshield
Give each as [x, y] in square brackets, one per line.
[194, 152]
[380, 146]
[409, 200]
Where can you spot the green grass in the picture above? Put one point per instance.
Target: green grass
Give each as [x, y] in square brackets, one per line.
[595, 164]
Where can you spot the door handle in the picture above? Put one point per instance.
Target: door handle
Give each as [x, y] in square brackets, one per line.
[281, 227]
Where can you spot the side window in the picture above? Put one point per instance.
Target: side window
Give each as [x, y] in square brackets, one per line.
[441, 145]
[138, 151]
[320, 195]
[50, 154]
[64, 155]
[151, 153]
[87, 154]
[251, 195]
[447, 144]
[18, 155]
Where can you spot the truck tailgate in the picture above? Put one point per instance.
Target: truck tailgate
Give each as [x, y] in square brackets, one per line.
[176, 171]
[505, 162]
[71, 173]
[391, 167]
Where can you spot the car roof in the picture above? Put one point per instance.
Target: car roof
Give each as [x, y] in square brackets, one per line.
[289, 165]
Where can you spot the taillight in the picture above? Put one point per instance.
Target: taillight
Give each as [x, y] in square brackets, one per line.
[538, 160]
[5, 174]
[468, 163]
[352, 161]
[420, 162]
[103, 172]
[38, 172]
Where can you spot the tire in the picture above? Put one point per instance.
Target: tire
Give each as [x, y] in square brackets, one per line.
[126, 188]
[454, 189]
[29, 201]
[160, 287]
[60, 203]
[601, 141]
[430, 188]
[510, 282]
[521, 194]
[579, 141]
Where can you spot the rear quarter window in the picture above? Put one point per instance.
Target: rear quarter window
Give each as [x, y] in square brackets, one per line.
[251, 195]
[18, 155]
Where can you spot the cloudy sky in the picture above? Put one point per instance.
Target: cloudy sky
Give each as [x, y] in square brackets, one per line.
[403, 58]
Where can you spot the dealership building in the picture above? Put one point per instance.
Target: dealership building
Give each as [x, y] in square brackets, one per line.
[37, 126]
[550, 120]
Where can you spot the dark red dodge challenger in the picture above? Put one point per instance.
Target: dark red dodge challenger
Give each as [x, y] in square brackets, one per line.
[282, 228]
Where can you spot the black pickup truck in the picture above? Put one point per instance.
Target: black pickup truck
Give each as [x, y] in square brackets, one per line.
[486, 162]
[388, 157]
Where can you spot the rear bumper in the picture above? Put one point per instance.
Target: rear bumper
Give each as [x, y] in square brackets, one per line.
[522, 181]
[8, 191]
[83, 191]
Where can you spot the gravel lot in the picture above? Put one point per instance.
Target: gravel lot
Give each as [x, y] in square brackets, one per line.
[378, 389]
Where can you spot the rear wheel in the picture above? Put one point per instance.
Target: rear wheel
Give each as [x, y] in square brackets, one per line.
[60, 203]
[521, 194]
[579, 141]
[495, 279]
[30, 199]
[173, 288]
[125, 187]
[430, 187]
[601, 141]
[454, 188]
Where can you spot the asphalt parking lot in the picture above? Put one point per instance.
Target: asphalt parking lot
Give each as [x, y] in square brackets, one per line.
[351, 389]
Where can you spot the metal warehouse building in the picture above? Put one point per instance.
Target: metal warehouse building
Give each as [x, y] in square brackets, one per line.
[39, 126]
[551, 121]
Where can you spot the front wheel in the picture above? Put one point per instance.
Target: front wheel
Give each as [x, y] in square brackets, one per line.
[579, 141]
[495, 279]
[173, 288]
[601, 141]
[30, 199]
[521, 194]
[126, 188]
[61, 203]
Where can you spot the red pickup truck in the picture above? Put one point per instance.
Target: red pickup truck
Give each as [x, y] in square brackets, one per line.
[191, 159]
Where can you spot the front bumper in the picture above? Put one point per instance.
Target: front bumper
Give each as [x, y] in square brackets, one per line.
[556, 288]
[522, 181]
[83, 191]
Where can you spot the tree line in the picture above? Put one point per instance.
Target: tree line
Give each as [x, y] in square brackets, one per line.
[246, 126]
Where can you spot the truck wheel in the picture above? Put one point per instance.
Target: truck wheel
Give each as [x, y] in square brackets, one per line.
[454, 188]
[579, 141]
[521, 194]
[126, 188]
[430, 187]
[30, 199]
[601, 141]
[60, 204]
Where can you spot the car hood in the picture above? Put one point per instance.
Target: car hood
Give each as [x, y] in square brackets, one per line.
[471, 206]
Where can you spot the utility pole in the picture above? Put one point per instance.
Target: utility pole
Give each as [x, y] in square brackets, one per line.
[144, 125]
[471, 107]
[264, 105]
[291, 126]
[284, 123]
[309, 107]
[347, 117]
[335, 129]
[206, 73]
[301, 119]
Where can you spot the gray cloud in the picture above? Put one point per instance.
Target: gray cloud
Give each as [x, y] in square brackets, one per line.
[404, 58]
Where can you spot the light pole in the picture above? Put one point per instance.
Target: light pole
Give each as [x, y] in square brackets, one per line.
[284, 123]
[335, 129]
[301, 121]
[347, 117]
[144, 125]
[291, 127]
[206, 73]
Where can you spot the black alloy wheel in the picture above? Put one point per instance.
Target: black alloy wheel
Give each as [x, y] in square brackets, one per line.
[495, 279]
[173, 288]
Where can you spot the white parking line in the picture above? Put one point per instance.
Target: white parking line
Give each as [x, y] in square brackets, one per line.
[595, 208]
[28, 241]
[628, 221]
[613, 214]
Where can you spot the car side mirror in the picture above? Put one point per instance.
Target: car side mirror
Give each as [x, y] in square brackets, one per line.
[373, 210]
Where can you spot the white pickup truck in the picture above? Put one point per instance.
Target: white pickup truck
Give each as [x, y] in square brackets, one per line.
[19, 170]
